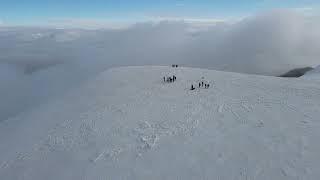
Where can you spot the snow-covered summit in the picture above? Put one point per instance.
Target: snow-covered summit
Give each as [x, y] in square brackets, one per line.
[129, 124]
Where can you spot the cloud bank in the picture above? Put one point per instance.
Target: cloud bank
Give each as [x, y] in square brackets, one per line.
[38, 64]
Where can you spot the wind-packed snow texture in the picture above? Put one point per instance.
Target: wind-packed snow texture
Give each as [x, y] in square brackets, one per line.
[128, 124]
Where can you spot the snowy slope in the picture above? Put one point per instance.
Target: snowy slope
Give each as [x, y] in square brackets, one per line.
[128, 124]
[314, 74]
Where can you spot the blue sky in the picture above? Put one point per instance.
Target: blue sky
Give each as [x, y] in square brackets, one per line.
[39, 11]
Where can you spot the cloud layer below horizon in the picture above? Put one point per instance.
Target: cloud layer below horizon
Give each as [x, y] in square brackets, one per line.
[37, 64]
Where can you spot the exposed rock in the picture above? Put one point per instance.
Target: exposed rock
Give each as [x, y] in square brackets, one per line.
[297, 72]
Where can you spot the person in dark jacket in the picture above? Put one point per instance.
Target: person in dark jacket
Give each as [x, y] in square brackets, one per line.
[192, 88]
[199, 85]
[202, 83]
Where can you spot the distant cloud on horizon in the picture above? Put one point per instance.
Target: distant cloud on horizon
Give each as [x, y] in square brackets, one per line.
[93, 24]
[187, 19]
[308, 10]
[311, 13]
[86, 23]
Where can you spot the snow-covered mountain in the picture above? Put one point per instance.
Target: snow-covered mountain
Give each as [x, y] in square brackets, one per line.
[128, 124]
[267, 44]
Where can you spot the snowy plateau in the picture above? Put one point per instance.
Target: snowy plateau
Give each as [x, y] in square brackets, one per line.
[127, 123]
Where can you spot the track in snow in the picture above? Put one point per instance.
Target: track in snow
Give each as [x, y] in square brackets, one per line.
[128, 124]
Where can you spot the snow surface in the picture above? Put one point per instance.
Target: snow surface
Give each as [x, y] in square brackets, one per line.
[128, 124]
[314, 74]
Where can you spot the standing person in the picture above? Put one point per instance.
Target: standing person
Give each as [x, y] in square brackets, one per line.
[199, 84]
[164, 79]
[202, 83]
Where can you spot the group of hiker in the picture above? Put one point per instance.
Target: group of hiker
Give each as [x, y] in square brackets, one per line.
[170, 79]
[201, 84]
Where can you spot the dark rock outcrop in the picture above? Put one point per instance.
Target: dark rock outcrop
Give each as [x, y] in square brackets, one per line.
[297, 72]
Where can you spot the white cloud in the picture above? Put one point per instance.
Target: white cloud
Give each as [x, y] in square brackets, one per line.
[304, 9]
[180, 3]
[186, 19]
[87, 24]
[308, 11]
[269, 44]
